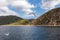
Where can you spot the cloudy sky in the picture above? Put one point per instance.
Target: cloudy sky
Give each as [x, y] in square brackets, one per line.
[25, 8]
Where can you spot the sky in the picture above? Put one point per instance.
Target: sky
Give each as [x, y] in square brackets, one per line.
[27, 8]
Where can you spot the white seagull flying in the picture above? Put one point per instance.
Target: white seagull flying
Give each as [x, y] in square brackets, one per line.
[7, 34]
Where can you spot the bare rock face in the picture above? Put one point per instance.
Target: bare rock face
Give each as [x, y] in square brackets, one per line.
[51, 17]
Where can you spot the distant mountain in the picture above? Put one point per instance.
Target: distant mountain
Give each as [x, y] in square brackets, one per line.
[8, 19]
[51, 17]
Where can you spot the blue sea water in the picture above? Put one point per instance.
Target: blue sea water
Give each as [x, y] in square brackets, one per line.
[29, 33]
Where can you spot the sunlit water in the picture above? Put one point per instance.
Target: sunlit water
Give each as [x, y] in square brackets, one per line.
[29, 33]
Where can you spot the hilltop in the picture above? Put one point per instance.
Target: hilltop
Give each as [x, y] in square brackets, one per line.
[8, 19]
[51, 17]
[14, 20]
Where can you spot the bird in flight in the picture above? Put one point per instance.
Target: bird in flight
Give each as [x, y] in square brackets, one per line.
[31, 13]
[7, 34]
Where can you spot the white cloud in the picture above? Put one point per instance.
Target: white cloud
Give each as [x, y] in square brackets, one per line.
[23, 5]
[4, 11]
[49, 4]
[3, 3]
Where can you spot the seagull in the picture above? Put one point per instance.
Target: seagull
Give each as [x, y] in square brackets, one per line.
[7, 34]
[32, 14]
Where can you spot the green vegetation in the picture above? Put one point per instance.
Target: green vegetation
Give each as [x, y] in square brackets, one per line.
[51, 17]
[13, 20]
[21, 22]
[8, 19]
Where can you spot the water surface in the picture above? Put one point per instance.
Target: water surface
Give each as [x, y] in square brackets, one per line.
[29, 33]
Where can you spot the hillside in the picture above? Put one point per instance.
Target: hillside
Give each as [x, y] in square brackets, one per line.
[14, 20]
[21, 22]
[51, 17]
[8, 19]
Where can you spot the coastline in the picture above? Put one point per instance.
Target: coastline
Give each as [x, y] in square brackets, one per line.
[30, 25]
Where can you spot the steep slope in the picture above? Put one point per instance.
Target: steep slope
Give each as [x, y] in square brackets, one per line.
[51, 17]
[8, 19]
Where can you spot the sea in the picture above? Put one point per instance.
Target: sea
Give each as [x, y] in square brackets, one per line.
[29, 33]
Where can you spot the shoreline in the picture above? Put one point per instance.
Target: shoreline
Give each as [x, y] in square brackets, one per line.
[29, 25]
